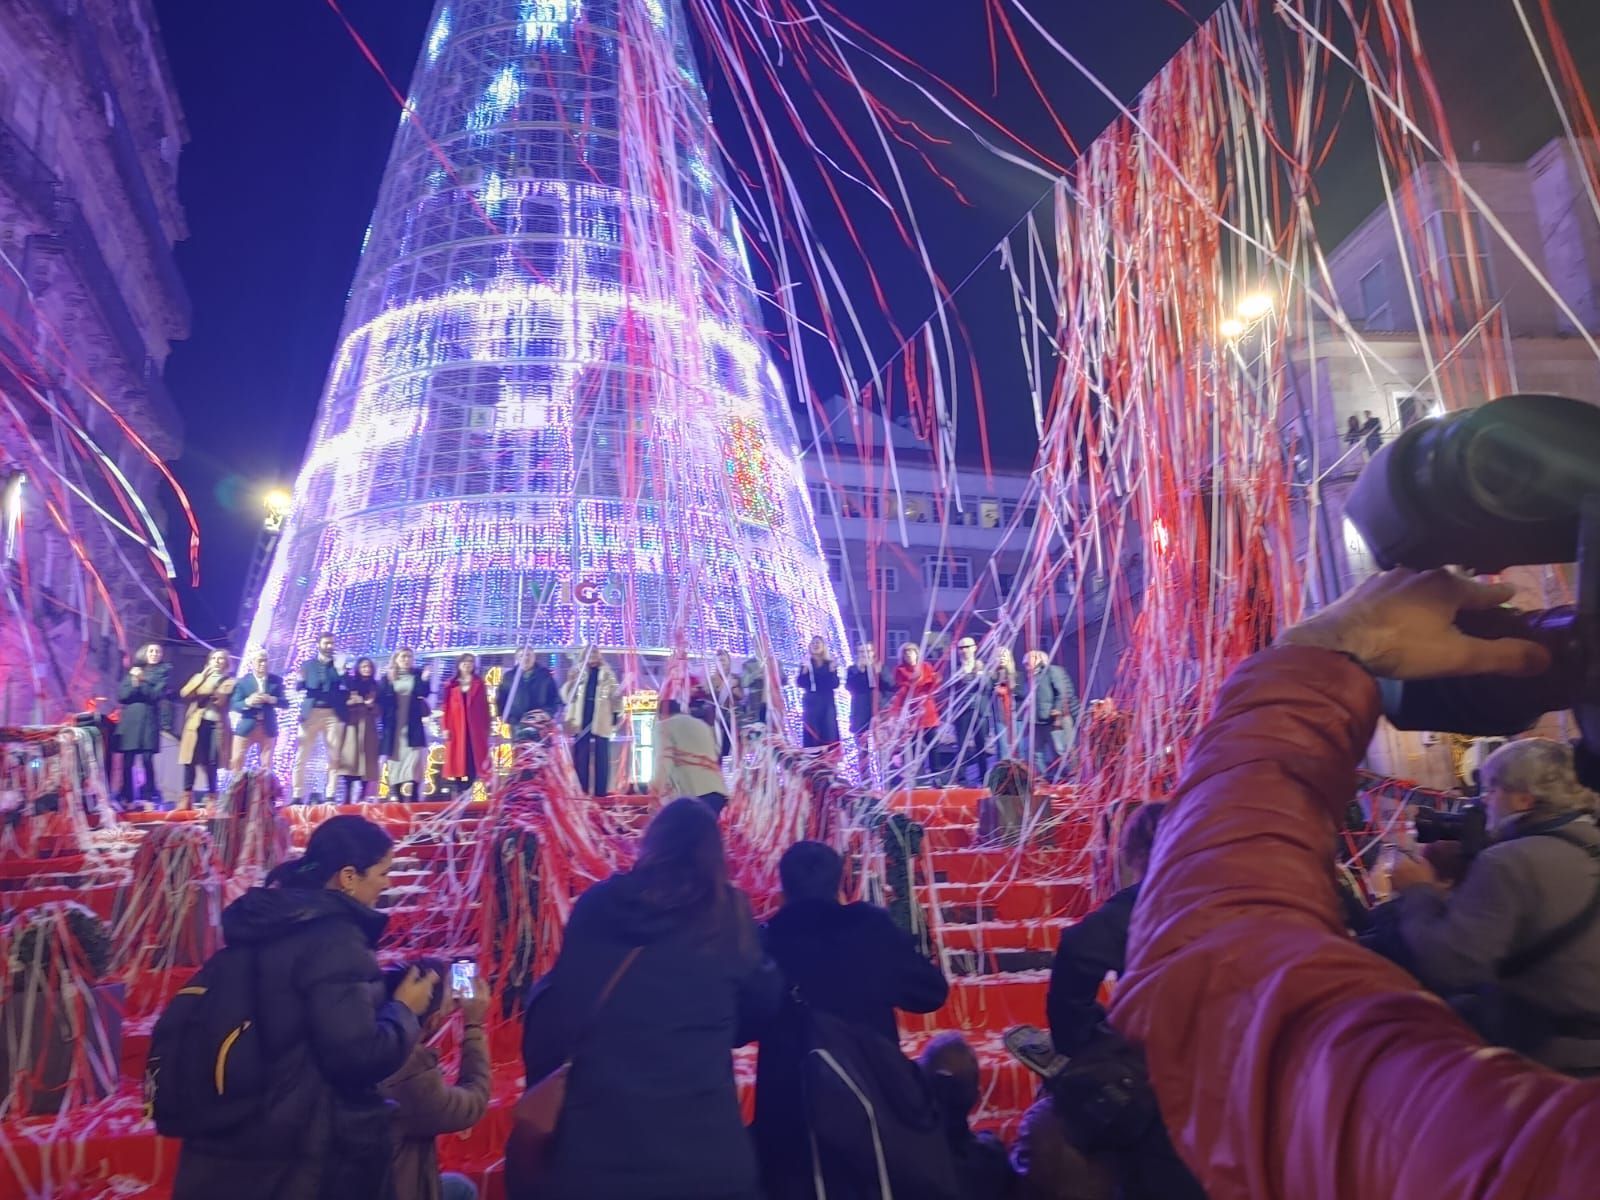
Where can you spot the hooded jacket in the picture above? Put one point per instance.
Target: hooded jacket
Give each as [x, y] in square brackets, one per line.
[425, 1106]
[330, 1036]
[1291, 1063]
[850, 960]
[651, 1110]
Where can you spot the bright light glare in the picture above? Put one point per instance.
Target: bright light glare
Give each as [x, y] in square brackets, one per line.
[1231, 327]
[1255, 306]
[277, 502]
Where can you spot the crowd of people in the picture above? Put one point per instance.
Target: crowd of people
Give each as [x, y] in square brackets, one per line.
[374, 724]
[1251, 1047]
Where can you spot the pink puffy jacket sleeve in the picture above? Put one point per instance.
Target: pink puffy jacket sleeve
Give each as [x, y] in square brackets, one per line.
[1290, 1063]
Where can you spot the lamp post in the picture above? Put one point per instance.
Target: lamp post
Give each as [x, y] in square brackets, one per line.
[277, 503]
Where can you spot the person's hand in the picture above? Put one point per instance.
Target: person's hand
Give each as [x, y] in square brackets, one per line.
[1408, 872]
[416, 989]
[475, 1008]
[1401, 625]
[136, 673]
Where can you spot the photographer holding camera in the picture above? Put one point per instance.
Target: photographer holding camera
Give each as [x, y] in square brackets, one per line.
[1516, 947]
[1289, 1062]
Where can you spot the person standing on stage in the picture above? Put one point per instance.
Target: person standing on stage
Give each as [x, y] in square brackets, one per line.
[207, 740]
[969, 702]
[464, 705]
[528, 687]
[594, 703]
[258, 698]
[321, 713]
[1051, 710]
[915, 683]
[357, 763]
[866, 684]
[1003, 703]
[819, 687]
[144, 693]
[726, 695]
[402, 735]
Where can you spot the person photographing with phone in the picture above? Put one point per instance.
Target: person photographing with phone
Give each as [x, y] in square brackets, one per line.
[425, 1105]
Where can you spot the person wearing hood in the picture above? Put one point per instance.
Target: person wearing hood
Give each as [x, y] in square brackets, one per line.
[850, 960]
[425, 1105]
[327, 1031]
[652, 1111]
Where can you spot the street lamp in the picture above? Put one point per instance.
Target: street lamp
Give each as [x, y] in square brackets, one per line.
[278, 502]
[1251, 308]
[11, 509]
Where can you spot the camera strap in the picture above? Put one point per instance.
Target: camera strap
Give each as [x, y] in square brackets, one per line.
[1563, 935]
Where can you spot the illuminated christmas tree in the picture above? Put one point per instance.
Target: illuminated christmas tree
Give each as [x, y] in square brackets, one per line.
[552, 419]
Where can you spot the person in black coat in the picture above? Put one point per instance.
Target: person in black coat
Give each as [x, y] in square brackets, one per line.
[329, 1034]
[819, 685]
[652, 1112]
[143, 695]
[1150, 1169]
[528, 687]
[850, 960]
[402, 733]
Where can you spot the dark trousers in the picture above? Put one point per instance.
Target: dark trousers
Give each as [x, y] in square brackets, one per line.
[205, 757]
[148, 759]
[715, 801]
[591, 755]
[972, 745]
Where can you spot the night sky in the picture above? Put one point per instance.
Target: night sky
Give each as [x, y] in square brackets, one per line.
[290, 130]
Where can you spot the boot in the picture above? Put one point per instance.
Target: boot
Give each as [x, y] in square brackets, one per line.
[185, 801]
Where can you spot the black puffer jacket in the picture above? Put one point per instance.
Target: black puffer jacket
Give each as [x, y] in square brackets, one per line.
[330, 1037]
[652, 1112]
[145, 709]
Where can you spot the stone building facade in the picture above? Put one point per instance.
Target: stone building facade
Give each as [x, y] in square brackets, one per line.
[91, 302]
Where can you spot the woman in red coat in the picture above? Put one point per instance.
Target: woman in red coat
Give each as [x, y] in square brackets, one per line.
[466, 725]
[915, 683]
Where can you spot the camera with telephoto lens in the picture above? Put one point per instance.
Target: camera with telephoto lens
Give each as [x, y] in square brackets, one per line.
[1515, 482]
[1467, 826]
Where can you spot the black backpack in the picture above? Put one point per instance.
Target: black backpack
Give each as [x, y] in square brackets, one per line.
[871, 1114]
[207, 1072]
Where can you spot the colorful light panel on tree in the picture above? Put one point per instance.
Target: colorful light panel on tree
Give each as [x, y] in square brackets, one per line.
[552, 418]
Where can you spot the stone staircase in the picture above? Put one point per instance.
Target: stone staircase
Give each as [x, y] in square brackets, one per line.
[995, 914]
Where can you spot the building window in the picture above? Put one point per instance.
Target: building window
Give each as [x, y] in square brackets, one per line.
[947, 572]
[1375, 299]
[1007, 582]
[1451, 261]
[989, 514]
[821, 501]
[888, 579]
[835, 565]
[890, 653]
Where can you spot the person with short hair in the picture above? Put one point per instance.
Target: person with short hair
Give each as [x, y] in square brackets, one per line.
[849, 960]
[425, 1105]
[983, 1170]
[530, 686]
[1519, 938]
[207, 739]
[321, 715]
[329, 1034]
[258, 698]
[687, 762]
[969, 707]
[1050, 709]
[143, 695]
[915, 685]
[594, 705]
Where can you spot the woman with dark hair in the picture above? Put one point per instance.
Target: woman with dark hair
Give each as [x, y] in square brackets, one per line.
[357, 760]
[327, 1034]
[143, 695]
[464, 703]
[652, 1112]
